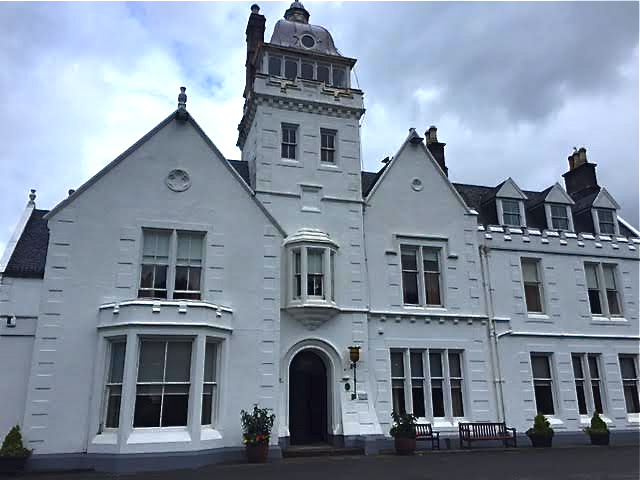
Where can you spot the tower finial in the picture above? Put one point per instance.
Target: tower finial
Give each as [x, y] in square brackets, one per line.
[297, 13]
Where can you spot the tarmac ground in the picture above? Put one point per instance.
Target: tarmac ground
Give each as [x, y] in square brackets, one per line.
[563, 463]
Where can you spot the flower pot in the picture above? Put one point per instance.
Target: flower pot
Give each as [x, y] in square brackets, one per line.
[257, 453]
[599, 438]
[540, 440]
[405, 446]
[12, 465]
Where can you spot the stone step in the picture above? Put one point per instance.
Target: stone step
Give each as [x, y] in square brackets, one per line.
[298, 451]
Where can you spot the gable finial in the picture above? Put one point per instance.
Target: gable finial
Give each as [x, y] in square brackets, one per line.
[32, 197]
[182, 103]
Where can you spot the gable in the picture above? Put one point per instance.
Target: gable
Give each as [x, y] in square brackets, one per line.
[605, 200]
[509, 189]
[558, 195]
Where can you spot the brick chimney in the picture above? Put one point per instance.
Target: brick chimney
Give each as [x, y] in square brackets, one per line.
[581, 178]
[436, 148]
[255, 38]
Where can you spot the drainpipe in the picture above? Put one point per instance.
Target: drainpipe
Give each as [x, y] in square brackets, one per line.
[493, 337]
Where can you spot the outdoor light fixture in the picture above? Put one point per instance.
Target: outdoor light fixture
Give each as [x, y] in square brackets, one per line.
[354, 356]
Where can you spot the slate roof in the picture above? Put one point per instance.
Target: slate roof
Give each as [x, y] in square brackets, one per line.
[30, 254]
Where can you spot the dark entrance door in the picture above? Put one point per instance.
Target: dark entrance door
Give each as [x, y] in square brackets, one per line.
[307, 399]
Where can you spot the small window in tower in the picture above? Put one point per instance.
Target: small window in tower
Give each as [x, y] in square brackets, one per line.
[308, 41]
[275, 66]
[307, 71]
[323, 73]
[289, 141]
[291, 68]
[338, 77]
[327, 145]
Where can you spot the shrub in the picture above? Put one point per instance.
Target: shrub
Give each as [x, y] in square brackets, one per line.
[257, 425]
[541, 426]
[404, 425]
[598, 426]
[12, 445]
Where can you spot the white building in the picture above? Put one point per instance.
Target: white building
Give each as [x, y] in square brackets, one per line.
[176, 287]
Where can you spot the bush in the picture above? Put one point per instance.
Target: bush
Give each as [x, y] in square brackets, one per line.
[12, 445]
[598, 426]
[541, 426]
[257, 425]
[404, 425]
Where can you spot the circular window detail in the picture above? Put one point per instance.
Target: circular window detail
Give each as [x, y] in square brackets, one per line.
[416, 184]
[307, 41]
[178, 180]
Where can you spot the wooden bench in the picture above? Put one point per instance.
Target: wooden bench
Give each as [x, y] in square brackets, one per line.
[471, 432]
[425, 432]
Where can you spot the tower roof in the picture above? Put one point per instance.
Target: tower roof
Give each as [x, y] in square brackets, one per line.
[295, 31]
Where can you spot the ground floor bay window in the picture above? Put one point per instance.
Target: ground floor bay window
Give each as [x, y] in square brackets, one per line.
[155, 382]
[428, 383]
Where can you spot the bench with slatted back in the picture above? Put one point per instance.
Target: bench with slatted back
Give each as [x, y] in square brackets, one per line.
[471, 432]
[425, 432]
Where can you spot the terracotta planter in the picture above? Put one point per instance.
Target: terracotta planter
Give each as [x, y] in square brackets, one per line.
[540, 441]
[405, 446]
[599, 438]
[12, 465]
[257, 453]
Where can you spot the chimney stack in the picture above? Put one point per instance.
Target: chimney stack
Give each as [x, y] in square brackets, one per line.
[436, 148]
[255, 38]
[581, 178]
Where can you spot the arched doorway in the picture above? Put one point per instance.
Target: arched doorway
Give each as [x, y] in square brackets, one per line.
[307, 399]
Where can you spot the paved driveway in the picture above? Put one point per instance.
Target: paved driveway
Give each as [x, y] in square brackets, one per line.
[576, 463]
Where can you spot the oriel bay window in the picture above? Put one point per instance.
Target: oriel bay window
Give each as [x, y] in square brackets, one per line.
[162, 389]
[427, 383]
[171, 264]
[420, 275]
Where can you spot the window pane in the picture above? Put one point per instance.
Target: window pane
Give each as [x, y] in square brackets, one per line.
[408, 258]
[146, 276]
[194, 278]
[532, 297]
[540, 366]
[457, 408]
[208, 396]
[417, 394]
[454, 365]
[210, 362]
[577, 367]
[593, 366]
[338, 77]
[114, 395]
[323, 73]
[511, 206]
[182, 278]
[160, 279]
[435, 364]
[582, 403]
[430, 260]
[437, 398]
[275, 66]
[410, 288]
[416, 365]
[592, 277]
[290, 68]
[631, 398]
[314, 261]
[544, 398]
[597, 397]
[151, 365]
[397, 364]
[147, 409]
[559, 211]
[174, 409]
[432, 286]
[178, 362]
[397, 394]
[609, 277]
[627, 368]
[117, 362]
[594, 301]
[529, 271]
[307, 71]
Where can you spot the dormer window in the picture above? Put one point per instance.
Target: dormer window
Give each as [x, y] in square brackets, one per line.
[606, 222]
[511, 213]
[559, 217]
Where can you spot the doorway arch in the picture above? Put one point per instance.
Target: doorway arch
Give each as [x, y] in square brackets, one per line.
[308, 399]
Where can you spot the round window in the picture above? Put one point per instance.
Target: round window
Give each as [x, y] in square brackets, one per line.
[307, 41]
[416, 184]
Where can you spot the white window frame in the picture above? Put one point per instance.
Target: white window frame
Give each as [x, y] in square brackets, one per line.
[603, 290]
[289, 143]
[427, 380]
[328, 274]
[330, 150]
[108, 384]
[596, 221]
[422, 292]
[546, 381]
[630, 381]
[587, 380]
[500, 206]
[548, 207]
[537, 263]
[214, 384]
[172, 264]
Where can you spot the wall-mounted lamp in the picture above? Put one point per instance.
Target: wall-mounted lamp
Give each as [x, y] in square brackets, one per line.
[354, 356]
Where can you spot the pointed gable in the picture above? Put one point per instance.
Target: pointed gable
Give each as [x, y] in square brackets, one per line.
[604, 200]
[556, 194]
[509, 189]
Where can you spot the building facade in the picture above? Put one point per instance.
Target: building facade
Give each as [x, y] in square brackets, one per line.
[176, 287]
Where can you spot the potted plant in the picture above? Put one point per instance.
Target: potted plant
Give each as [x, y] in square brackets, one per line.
[403, 432]
[257, 426]
[541, 434]
[598, 431]
[13, 454]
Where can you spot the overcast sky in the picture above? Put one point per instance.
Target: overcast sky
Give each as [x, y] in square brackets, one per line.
[512, 87]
